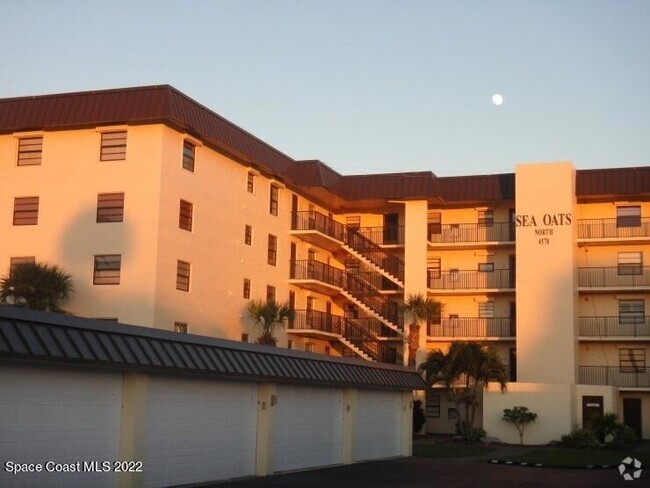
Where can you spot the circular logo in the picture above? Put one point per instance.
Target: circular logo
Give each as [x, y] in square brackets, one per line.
[630, 469]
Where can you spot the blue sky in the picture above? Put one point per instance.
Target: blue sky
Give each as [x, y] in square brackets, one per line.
[367, 86]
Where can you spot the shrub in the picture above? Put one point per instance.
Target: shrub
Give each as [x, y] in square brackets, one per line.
[475, 434]
[418, 416]
[603, 426]
[624, 437]
[520, 417]
[580, 439]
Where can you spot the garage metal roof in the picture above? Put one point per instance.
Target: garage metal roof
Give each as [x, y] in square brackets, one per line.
[27, 335]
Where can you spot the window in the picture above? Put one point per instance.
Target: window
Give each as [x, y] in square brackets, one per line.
[273, 200]
[270, 293]
[273, 250]
[352, 221]
[451, 413]
[309, 347]
[289, 344]
[631, 360]
[628, 216]
[453, 274]
[486, 267]
[247, 289]
[433, 266]
[26, 210]
[486, 218]
[244, 337]
[180, 327]
[15, 262]
[630, 263]
[250, 183]
[107, 269]
[182, 276]
[248, 235]
[113, 146]
[110, 207]
[30, 151]
[631, 311]
[434, 220]
[486, 310]
[433, 406]
[189, 154]
[185, 214]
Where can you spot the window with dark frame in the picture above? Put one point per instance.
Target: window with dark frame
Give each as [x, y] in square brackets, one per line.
[248, 235]
[434, 223]
[273, 200]
[629, 216]
[486, 267]
[189, 155]
[244, 337]
[432, 409]
[107, 269]
[247, 289]
[17, 261]
[433, 268]
[272, 250]
[270, 293]
[180, 327]
[113, 146]
[185, 215]
[486, 310]
[486, 218]
[183, 275]
[30, 151]
[250, 183]
[630, 263]
[631, 360]
[631, 312]
[26, 210]
[110, 207]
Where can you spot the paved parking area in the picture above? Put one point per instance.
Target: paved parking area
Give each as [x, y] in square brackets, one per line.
[448, 473]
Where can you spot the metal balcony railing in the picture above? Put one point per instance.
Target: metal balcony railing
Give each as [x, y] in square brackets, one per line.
[631, 377]
[614, 326]
[393, 235]
[473, 327]
[316, 320]
[624, 276]
[309, 269]
[312, 220]
[472, 280]
[461, 233]
[613, 228]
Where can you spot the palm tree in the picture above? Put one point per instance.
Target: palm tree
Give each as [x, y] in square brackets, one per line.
[39, 286]
[465, 371]
[269, 315]
[419, 308]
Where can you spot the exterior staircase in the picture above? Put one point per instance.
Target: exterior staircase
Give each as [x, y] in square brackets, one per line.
[367, 251]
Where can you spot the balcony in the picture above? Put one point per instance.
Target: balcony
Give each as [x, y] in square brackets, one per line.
[316, 276]
[614, 230]
[313, 322]
[626, 377]
[473, 327]
[471, 235]
[614, 278]
[499, 280]
[599, 327]
[318, 229]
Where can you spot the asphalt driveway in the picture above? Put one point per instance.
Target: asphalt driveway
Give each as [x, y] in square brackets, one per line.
[421, 472]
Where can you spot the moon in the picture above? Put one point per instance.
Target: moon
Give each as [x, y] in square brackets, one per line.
[497, 99]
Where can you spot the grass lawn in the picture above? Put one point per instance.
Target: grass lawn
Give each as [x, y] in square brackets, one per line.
[579, 458]
[450, 451]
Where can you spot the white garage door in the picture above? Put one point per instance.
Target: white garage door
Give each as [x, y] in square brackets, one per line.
[378, 425]
[309, 424]
[58, 415]
[199, 430]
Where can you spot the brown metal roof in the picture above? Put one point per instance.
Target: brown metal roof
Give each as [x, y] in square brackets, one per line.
[28, 335]
[165, 104]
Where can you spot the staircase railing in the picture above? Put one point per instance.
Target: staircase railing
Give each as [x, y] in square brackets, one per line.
[372, 298]
[361, 338]
[374, 253]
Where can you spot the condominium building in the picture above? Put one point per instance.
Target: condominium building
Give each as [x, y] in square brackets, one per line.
[167, 215]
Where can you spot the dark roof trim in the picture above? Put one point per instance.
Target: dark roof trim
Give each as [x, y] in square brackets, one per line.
[27, 335]
[166, 105]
